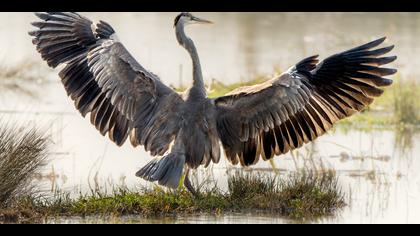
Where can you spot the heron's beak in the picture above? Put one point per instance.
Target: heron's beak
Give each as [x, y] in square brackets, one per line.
[201, 21]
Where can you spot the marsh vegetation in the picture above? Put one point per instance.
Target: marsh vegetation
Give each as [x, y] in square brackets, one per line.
[301, 195]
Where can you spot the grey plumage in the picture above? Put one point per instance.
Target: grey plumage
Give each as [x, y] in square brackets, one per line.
[166, 170]
[125, 100]
[303, 103]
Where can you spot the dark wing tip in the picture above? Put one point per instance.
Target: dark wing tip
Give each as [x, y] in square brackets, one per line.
[367, 46]
[33, 33]
[35, 23]
[381, 40]
[392, 71]
[392, 59]
[390, 48]
[375, 43]
[40, 14]
[386, 82]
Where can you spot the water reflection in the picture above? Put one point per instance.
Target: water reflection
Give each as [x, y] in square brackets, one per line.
[248, 218]
[405, 138]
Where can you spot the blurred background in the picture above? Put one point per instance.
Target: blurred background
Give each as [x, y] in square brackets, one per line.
[377, 159]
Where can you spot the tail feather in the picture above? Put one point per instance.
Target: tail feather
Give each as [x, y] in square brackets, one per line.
[166, 170]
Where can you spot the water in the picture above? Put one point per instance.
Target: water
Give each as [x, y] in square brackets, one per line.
[381, 176]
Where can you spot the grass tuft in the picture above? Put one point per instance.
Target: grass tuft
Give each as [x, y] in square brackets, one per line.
[311, 194]
[302, 194]
[22, 154]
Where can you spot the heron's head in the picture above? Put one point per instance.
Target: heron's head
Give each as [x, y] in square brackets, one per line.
[187, 18]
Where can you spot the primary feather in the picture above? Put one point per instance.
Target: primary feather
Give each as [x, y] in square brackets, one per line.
[300, 105]
[103, 79]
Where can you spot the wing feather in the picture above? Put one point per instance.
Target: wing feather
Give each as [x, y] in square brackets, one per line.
[302, 104]
[103, 79]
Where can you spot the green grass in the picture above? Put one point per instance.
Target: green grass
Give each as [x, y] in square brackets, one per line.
[218, 88]
[302, 195]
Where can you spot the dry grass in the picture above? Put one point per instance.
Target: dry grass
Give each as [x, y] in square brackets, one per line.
[22, 154]
[17, 78]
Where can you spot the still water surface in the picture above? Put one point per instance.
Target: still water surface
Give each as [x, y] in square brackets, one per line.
[380, 176]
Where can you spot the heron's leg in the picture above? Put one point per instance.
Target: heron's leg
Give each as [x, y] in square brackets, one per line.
[185, 182]
[188, 185]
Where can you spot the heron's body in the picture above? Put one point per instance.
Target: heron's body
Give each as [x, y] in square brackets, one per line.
[186, 129]
[197, 130]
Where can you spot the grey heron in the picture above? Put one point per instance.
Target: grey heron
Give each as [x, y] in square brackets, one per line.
[184, 130]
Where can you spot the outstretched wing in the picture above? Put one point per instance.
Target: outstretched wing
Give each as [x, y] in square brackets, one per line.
[103, 79]
[300, 105]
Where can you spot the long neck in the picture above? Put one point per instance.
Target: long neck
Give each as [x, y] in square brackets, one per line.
[188, 44]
